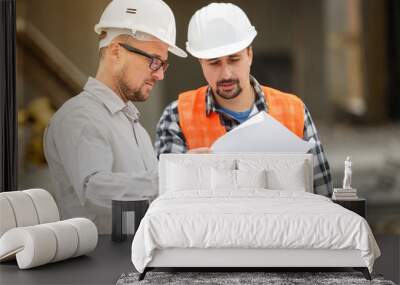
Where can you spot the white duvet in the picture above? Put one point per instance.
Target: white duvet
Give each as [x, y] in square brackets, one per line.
[250, 219]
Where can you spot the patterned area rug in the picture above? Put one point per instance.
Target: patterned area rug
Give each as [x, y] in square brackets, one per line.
[242, 278]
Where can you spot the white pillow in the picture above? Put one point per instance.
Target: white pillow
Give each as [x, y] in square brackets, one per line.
[187, 177]
[292, 179]
[223, 179]
[291, 175]
[251, 178]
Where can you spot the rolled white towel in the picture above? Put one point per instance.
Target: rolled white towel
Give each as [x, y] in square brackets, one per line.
[87, 234]
[40, 244]
[7, 218]
[67, 240]
[46, 207]
[23, 208]
[26, 208]
[33, 246]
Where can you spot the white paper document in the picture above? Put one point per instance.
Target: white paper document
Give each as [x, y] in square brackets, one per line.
[261, 133]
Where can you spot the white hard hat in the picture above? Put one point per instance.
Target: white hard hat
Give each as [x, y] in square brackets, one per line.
[219, 29]
[152, 17]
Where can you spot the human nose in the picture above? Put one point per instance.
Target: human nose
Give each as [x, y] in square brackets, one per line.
[226, 72]
[158, 74]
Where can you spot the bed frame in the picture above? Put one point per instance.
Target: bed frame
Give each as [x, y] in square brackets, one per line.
[248, 259]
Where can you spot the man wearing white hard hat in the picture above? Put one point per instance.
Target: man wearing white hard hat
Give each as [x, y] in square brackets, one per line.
[220, 36]
[95, 146]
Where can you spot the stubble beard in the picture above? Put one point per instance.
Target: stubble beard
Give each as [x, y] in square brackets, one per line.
[230, 94]
[128, 93]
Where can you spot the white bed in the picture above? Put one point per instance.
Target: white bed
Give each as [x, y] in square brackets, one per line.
[202, 219]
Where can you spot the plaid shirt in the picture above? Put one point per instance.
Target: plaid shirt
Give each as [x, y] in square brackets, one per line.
[170, 138]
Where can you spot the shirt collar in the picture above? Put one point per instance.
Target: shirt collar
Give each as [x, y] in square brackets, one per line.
[108, 97]
[260, 104]
[131, 112]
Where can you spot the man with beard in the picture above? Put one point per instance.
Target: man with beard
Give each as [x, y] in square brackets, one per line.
[220, 36]
[95, 146]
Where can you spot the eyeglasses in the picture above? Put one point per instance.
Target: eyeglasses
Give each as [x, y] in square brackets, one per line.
[155, 62]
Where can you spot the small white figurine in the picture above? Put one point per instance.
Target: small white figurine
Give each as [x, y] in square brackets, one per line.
[347, 174]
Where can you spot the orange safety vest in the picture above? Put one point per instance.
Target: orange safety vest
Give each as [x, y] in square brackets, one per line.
[201, 130]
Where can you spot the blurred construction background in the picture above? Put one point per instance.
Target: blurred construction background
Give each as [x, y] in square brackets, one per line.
[342, 57]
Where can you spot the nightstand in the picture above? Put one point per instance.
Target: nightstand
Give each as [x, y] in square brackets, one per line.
[358, 206]
[137, 205]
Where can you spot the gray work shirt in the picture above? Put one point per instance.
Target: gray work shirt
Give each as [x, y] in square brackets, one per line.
[97, 150]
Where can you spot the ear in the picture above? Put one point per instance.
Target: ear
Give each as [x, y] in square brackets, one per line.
[114, 51]
[250, 54]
